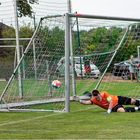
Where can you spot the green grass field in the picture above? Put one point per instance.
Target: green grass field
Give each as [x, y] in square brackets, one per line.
[83, 122]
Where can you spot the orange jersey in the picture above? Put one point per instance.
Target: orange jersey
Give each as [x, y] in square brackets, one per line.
[104, 103]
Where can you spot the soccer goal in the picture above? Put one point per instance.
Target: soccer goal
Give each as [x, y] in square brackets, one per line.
[36, 93]
[107, 42]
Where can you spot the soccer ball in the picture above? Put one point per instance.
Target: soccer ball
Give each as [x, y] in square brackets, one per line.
[56, 84]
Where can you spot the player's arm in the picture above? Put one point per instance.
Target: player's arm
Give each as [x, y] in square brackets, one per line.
[109, 99]
[85, 102]
[82, 101]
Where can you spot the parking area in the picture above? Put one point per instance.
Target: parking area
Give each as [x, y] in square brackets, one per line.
[121, 69]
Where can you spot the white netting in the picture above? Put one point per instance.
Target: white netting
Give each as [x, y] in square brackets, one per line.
[38, 69]
[106, 43]
[101, 43]
[26, 29]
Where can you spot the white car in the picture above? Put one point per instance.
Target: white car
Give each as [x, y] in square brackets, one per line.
[79, 68]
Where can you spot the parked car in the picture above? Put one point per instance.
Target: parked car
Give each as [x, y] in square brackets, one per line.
[122, 68]
[79, 68]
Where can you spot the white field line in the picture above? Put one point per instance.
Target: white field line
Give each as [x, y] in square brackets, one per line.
[39, 117]
[42, 130]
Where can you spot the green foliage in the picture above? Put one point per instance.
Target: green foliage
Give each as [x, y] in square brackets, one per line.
[25, 31]
[129, 45]
[7, 54]
[99, 39]
[8, 33]
[53, 40]
[90, 48]
[107, 39]
[24, 8]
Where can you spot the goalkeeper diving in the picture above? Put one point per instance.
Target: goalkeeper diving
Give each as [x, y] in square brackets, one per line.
[112, 103]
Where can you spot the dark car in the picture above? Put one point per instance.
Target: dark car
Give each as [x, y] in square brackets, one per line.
[122, 68]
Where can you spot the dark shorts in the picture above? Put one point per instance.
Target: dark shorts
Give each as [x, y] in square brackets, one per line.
[114, 109]
[121, 101]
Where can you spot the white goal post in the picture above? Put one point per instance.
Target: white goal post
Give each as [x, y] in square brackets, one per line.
[104, 38]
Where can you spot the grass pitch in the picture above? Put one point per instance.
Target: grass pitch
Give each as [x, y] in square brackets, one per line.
[88, 122]
[83, 122]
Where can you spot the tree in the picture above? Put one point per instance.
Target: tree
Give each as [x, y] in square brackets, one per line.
[24, 8]
[9, 32]
[25, 31]
[90, 49]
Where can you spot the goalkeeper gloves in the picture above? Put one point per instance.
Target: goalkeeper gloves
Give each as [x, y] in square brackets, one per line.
[75, 98]
[80, 101]
[109, 111]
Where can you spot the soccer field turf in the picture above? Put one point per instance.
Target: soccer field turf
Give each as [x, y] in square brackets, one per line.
[83, 122]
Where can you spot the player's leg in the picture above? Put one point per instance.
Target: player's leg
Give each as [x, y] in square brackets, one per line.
[128, 109]
[121, 109]
[132, 109]
[118, 108]
[135, 102]
[131, 76]
[128, 101]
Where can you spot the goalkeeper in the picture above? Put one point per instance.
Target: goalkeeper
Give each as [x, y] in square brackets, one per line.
[111, 103]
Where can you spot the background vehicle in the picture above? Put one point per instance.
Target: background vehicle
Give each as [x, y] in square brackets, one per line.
[122, 68]
[79, 68]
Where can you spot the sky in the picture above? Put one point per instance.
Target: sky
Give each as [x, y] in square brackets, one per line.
[115, 8]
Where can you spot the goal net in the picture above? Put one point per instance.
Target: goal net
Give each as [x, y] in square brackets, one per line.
[38, 65]
[99, 49]
[108, 43]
